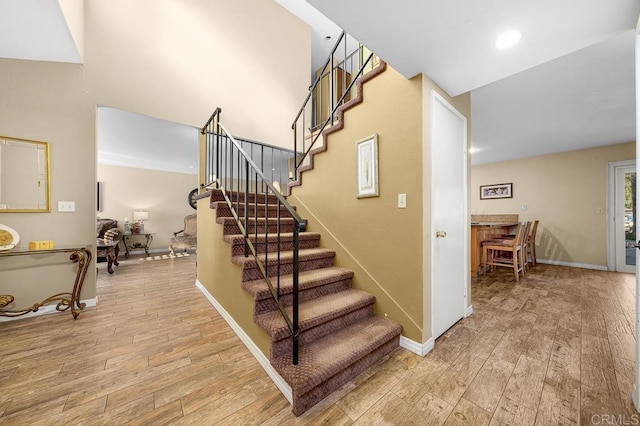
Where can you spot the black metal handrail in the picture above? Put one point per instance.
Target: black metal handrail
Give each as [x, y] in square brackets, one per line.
[235, 173]
[275, 162]
[338, 71]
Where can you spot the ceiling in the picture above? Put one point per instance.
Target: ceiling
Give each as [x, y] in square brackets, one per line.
[135, 140]
[567, 85]
[35, 30]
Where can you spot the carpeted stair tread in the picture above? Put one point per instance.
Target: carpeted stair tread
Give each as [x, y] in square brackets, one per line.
[223, 209]
[306, 280]
[326, 357]
[285, 257]
[260, 220]
[272, 238]
[217, 195]
[315, 312]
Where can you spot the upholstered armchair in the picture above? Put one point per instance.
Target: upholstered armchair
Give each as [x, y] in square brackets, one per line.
[102, 225]
[185, 239]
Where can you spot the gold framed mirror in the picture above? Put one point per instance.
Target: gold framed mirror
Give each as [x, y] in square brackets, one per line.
[24, 176]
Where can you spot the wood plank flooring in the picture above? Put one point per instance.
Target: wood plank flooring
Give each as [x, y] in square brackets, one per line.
[556, 348]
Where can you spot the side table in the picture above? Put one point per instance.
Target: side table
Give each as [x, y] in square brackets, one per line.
[132, 245]
[68, 300]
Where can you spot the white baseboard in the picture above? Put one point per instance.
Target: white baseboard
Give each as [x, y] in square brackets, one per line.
[50, 309]
[253, 348]
[417, 348]
[469, 311]
[572, 264]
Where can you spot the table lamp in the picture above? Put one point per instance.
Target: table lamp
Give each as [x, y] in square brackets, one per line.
[139, 216]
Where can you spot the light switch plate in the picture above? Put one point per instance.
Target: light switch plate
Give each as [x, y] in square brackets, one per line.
[402, 201]
[67, 206]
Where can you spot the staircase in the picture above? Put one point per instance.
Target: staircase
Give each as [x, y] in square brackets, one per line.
[339, 336]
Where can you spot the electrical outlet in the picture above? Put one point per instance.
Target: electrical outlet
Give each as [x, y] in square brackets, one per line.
[67, 206]
[402, 201]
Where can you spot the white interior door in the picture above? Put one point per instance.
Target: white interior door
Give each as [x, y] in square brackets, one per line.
[449, 231]
[624, 219]
[636, 387]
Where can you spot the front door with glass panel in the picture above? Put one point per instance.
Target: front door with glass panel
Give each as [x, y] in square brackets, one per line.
[625, 221]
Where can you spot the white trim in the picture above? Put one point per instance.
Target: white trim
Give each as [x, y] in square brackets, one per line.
[50, 309]
[253, 348]
[611, 209]
[469, 311]
[417, 348]
[429, 238]
[572, 264]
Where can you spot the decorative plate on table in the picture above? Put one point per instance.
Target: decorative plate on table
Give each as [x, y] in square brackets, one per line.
[9, 238]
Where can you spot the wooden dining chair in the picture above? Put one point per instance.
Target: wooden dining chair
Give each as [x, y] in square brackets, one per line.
[530, 252]
[507, 252]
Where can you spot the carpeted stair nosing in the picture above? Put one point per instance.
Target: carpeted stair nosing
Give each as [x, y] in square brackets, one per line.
[303, 401]
[285, 257]
[324, 358]
[306, 280]
[271, 237]
[315, 312]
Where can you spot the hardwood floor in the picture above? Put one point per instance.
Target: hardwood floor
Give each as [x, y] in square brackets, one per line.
[557, 348]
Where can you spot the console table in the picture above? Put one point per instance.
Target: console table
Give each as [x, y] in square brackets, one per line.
[132, 245]
[70, 300]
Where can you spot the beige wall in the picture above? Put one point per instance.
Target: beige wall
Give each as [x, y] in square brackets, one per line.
[178, 60]
[222, 278]
[381, 243]
[463, 104]
[162, 194]
[563, 191]
[48, 102]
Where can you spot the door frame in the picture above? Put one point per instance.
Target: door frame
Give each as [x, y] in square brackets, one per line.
[429, 237]
[612, 168]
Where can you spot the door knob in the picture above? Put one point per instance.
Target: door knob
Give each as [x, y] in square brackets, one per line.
[441, 234]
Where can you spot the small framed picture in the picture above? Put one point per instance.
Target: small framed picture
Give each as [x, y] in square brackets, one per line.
[367, 167]
[500, 190]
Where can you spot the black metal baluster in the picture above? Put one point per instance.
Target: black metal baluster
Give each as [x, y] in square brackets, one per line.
[246, 209]
[278, 250]
[266, 233]
[296, 266]
[255, 208]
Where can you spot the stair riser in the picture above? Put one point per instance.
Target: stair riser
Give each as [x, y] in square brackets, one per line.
[283, 347]
[225, 211]
[268, 305]
[302, 402]
[253, 273]
[234, 229]
[238, 249]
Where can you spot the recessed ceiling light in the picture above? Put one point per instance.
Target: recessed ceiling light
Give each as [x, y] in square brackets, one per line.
[473, 150]
[508, 39]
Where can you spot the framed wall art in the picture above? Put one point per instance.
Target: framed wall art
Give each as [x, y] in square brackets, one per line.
[500, 190]
[367, 167]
